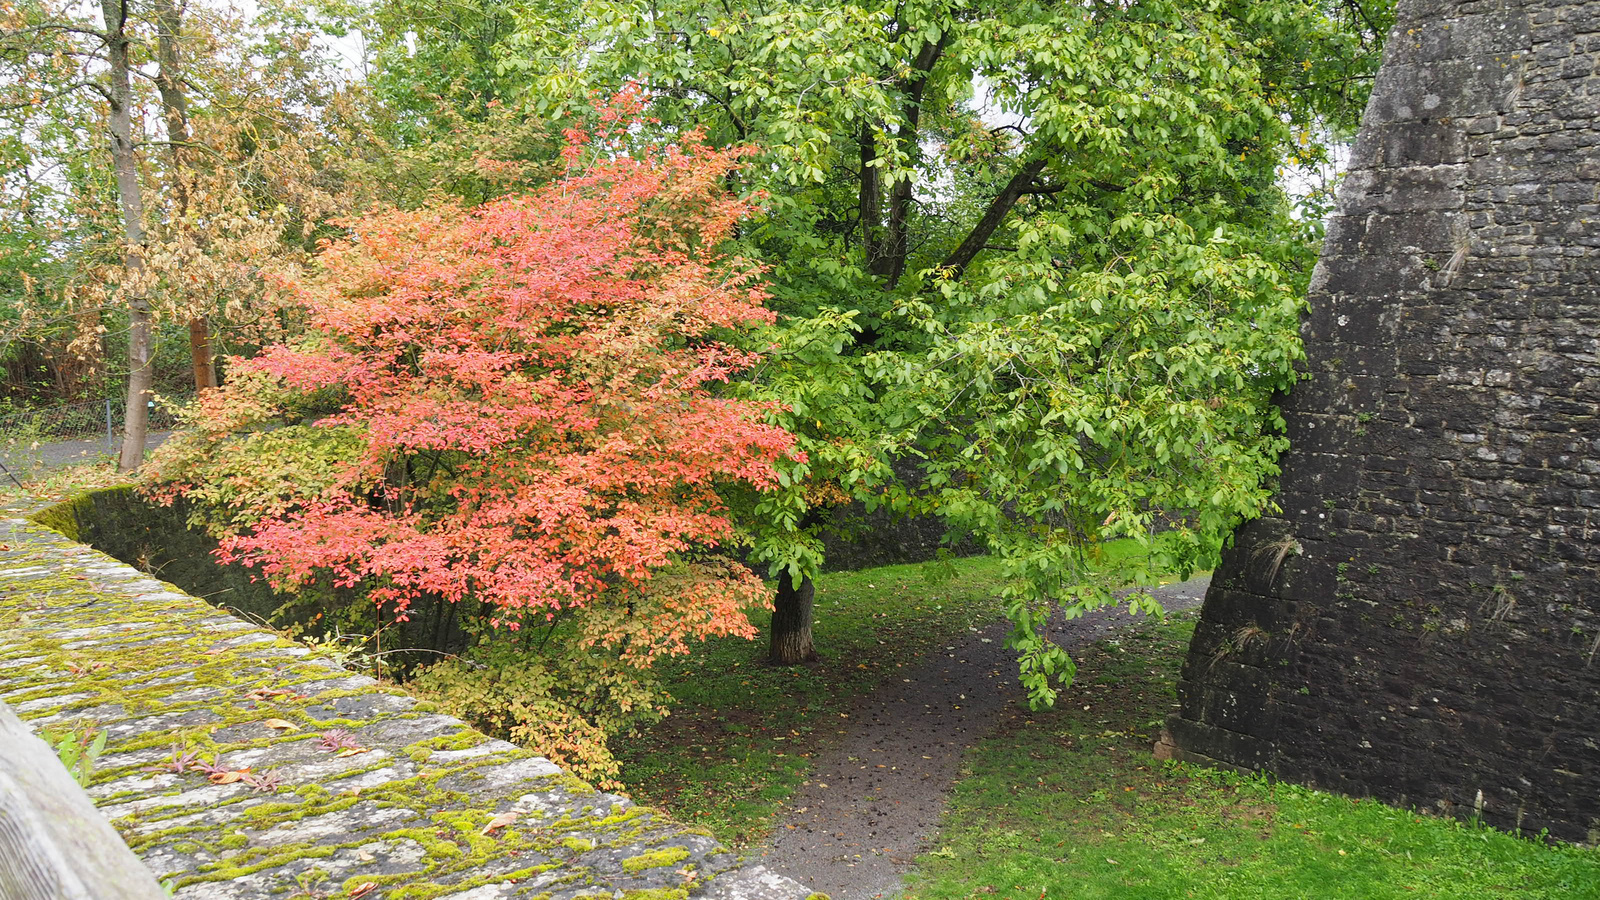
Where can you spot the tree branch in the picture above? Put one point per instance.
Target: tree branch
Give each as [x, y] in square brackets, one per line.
[59, 26]
[94, 86]
[956, 263]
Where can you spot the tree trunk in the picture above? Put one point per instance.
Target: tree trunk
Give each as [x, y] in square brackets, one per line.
[791, 622]
[871, 198]
[141, 371]
[890, 263]
[897, 241]
[174, 105]
[957, 262]
[205, 374]
[175, 109]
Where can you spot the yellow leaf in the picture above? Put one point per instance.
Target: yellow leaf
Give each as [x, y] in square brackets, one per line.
[281, 725]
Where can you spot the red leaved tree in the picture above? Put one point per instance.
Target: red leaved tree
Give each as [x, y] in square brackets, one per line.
[512, 405]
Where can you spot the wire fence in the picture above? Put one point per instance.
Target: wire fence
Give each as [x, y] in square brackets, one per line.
[32, 438]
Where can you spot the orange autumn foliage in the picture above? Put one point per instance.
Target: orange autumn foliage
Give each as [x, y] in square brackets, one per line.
[523, 408]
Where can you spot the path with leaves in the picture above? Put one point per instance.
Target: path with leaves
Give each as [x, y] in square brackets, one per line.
[25, 460]
[874, 799]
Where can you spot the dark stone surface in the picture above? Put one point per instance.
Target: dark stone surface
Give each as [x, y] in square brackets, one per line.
[1421, 621]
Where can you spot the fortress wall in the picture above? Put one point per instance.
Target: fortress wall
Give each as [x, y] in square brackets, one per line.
[1421, 622]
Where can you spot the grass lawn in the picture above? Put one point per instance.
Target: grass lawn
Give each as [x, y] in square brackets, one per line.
[1070, 803]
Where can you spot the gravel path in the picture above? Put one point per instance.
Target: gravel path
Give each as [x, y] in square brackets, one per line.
[873, 800]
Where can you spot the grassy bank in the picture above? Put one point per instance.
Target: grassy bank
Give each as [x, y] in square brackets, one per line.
[1070, 803]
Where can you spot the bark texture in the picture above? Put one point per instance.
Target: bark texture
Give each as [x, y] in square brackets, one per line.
[791, 622]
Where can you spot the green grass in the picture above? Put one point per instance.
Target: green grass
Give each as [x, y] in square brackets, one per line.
[1071, 803]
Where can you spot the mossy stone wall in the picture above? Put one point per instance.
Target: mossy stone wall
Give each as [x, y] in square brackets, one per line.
[241, 765]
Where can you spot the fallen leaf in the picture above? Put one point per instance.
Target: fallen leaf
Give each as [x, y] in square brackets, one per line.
[228, 777]
[281, 725]
[351, 751]
[265, 693]
[364, 856]
[500, 821]
[363, 889]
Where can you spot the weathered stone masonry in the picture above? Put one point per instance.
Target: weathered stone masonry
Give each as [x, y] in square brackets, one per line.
[352, 784]
[1421, 623]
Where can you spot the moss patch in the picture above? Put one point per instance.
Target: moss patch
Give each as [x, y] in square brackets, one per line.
[655, 859]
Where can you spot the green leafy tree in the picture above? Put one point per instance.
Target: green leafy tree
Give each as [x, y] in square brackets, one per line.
[1044, 248]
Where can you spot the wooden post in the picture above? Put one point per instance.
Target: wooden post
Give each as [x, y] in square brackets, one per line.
[54, 845]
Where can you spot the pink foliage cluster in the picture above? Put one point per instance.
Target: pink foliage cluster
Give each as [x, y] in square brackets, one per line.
[533, 383]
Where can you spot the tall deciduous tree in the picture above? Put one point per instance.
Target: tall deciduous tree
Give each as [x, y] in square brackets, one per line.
[204, 196]
[1042, 246]
[50, 57]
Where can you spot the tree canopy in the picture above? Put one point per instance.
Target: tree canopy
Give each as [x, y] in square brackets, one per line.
[510, 406]
[1045, 249]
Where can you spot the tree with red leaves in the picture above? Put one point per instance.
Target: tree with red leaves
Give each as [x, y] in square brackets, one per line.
[513, 405]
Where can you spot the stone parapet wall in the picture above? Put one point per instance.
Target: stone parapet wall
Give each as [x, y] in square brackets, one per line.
[326, 783]
[1421, 622]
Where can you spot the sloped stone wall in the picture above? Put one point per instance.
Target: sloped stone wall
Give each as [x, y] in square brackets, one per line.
[1421, 623]
[240, 765]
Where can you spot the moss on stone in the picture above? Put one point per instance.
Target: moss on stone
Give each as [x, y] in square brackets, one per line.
[66, 518]
[655, 859]
[117, 645]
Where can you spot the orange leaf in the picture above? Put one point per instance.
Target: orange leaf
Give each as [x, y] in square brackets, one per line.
[363, 889]
[500, 821]
[228, 777]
